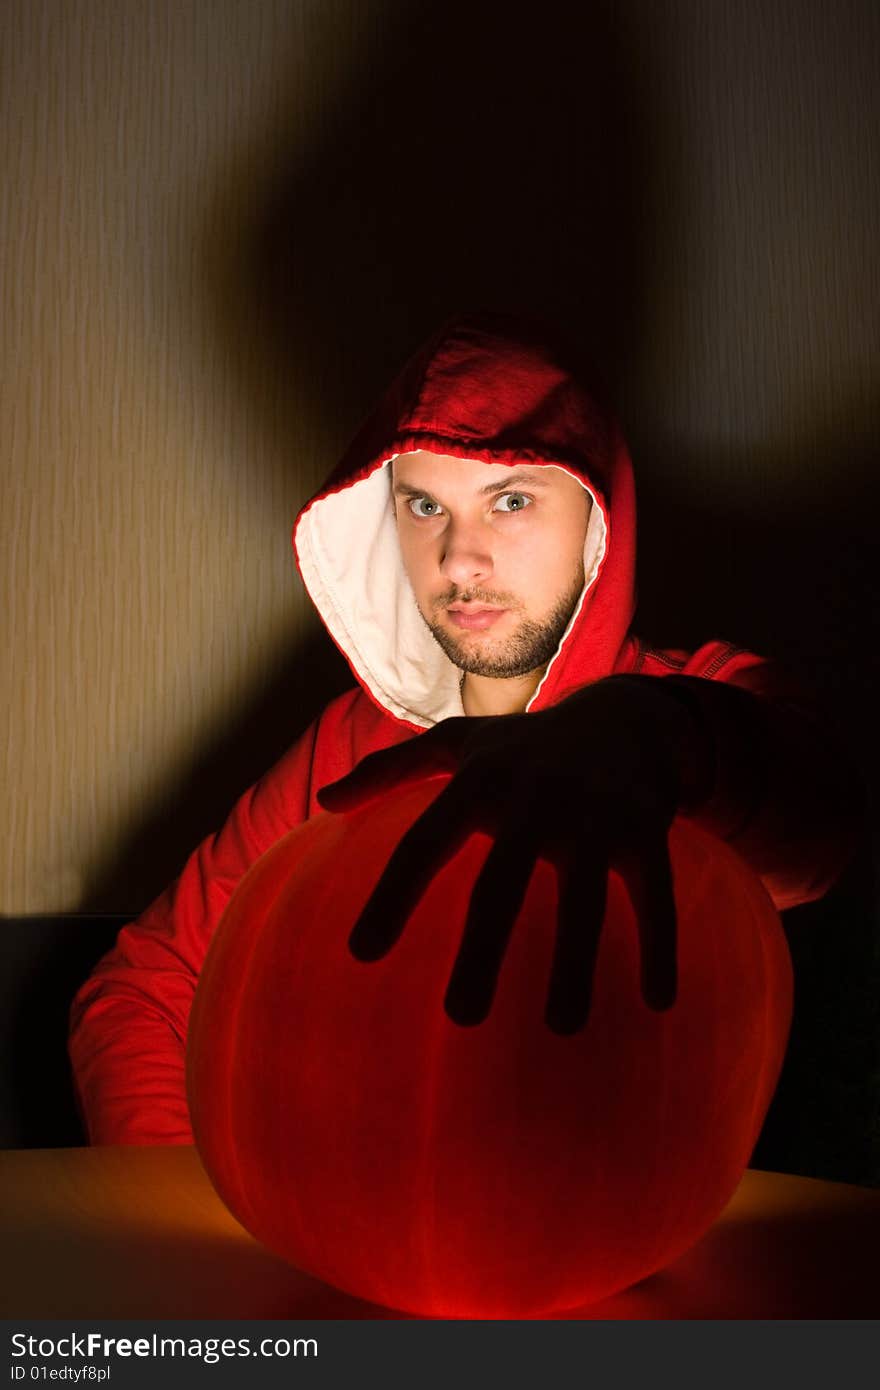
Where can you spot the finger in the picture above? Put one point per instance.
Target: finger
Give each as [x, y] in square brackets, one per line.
[429, 843]
[648, 877]
[427, 755]
[495, 903]
[580, 915]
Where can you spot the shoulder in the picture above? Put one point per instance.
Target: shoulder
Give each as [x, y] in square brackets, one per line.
[355, 717]
[714, 660]
[351, 727]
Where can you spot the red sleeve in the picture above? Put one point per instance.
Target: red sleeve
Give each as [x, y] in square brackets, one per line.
[787, 794]
[129, 1020]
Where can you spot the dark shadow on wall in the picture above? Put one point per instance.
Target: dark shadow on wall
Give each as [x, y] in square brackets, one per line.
[793, 576]
[482, 159]
[472, 162]
[197, 801]
[798, 581]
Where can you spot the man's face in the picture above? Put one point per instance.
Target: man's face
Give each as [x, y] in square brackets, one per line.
[494, 555]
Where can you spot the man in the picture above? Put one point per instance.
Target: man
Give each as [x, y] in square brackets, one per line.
[473, 557]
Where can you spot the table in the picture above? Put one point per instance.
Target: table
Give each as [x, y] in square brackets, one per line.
[140, 1233]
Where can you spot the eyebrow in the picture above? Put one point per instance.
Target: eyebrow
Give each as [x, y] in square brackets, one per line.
[512, 480]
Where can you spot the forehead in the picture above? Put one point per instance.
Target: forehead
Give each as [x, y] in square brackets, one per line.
[434, 471]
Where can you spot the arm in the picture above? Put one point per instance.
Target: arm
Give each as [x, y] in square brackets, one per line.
[780, 786]
[595, 781]
[128, 1021]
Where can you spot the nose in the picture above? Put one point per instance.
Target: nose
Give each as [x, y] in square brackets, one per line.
[467, 557]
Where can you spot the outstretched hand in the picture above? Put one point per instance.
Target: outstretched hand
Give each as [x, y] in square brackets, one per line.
[588, 784]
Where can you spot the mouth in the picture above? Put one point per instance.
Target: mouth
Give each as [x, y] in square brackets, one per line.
[475, 619]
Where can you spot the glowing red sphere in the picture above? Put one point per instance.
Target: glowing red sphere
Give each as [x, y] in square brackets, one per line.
[494, 1171]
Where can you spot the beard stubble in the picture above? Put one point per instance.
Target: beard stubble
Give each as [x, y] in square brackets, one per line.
[527, 649]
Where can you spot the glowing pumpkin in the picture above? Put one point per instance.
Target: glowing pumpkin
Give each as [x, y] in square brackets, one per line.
[496, 1171]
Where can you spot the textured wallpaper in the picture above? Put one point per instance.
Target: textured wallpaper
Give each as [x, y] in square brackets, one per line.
[223, 223]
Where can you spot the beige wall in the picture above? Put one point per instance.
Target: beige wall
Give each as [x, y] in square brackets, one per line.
[147, 495]
[223, 222]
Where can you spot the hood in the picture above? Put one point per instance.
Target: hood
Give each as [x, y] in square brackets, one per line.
[494, 389]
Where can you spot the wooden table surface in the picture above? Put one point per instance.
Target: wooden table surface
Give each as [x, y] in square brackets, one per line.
[140, 1233]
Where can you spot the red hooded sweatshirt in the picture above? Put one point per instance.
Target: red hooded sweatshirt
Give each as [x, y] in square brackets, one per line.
[485, 388]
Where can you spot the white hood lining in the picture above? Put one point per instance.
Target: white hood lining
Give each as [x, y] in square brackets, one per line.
[351, 565]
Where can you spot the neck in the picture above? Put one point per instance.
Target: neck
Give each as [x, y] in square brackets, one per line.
[488, 695]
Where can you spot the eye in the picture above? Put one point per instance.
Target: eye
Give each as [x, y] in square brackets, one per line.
[424, 506]
[516, 502]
